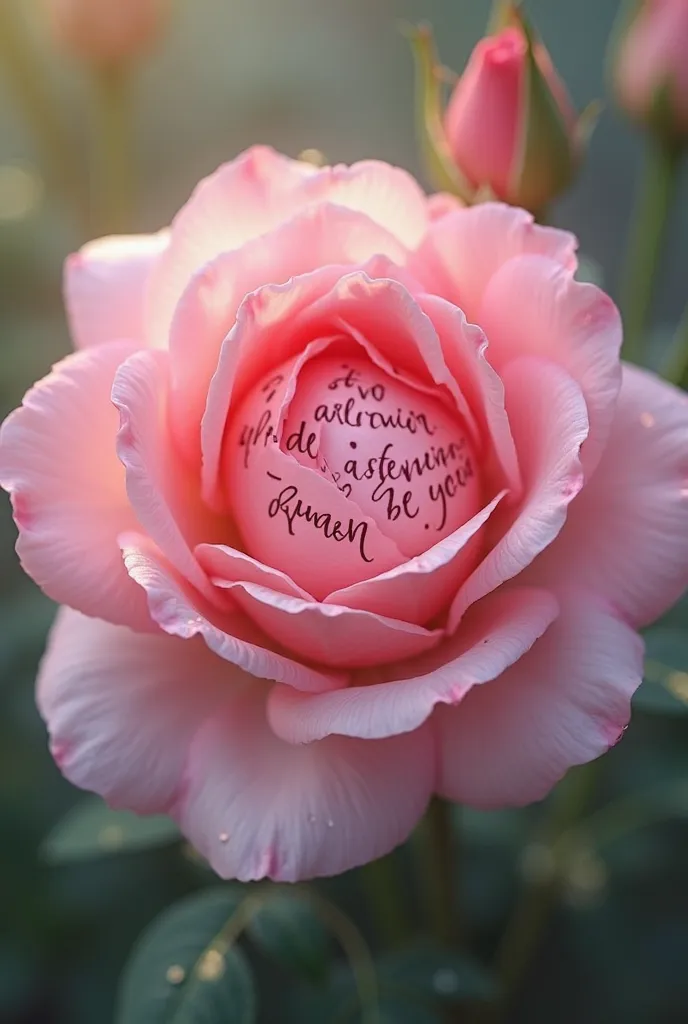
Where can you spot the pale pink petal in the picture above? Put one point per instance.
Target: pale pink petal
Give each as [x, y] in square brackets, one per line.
[330, 634]
[466, 352]
[564, 703]
[626, 535]
[317, 237]
[228, 632]
[58, 461]
[533, 306]
[399, 698]
[257, 807]
[442, 203]
[463, 251]
[549, 421]
[224, 564]
[163, 492]
[105, 286]
[258, 191]
[121, 707]
[421, 588]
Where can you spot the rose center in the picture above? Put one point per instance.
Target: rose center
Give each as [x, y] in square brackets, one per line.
[345, 462]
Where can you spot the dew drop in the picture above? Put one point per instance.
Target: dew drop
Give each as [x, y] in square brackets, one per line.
[224, 837]
[175, 974]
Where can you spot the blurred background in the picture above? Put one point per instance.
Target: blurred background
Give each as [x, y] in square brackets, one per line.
[335, 75]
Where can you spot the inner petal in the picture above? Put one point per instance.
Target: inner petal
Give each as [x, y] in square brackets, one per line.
[335, 467]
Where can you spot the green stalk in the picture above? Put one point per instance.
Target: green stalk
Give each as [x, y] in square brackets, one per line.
[438, 860]
[648, 230]
[675, 367]
[386, 895]
[114, 183]
[56, 151]
[524, 929]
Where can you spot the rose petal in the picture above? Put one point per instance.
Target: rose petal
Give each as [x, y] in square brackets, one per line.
[105, 285]
[224, 564]
[463, 251]
[163, 494]
[564, 703]
[313, 238]
[257, 192]
[121, 707]
[58, 461]
[533, 306]
[549, 421]
[419, 589]
[228, 633]
[496, 633]
[626, 534]
[257, 807]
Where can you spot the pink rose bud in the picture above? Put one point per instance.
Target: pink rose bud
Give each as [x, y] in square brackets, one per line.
[650, 67]
[106, 31]
[510, 130]
[401, 461]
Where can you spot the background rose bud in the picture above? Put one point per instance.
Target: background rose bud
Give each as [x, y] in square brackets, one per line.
[510, 125]
[106, 31]
[650, 67]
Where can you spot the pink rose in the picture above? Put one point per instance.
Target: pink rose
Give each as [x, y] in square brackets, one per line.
[106, 31]
[349, 501]
[651, 67]
[501, 133]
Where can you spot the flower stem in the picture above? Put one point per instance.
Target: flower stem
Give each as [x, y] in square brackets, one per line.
[114, 177]
[675, 367]
[438, 870]
[648, 229]
[386, 896]
[525, 927]
[56, 151]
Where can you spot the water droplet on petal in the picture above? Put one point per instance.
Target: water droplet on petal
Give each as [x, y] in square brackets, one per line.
[330, 823]
[224, 837]
[647, 419]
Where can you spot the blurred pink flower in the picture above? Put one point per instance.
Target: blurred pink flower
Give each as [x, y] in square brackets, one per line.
[106, 31]
[348, 504]
[490, 118]
[651, 67]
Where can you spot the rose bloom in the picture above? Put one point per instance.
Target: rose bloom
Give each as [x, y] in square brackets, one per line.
[105, 31]
[487, 122]
[348, 501]
[652, 58]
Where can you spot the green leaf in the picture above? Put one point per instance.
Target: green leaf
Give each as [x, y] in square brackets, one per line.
[186, 967]
[444, 173]
[287, 928]
[92, 830]
[432, 972]
[665, 687]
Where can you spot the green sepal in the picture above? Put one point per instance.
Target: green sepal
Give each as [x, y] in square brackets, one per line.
[505, 14]
[546, 161]
[444, 173]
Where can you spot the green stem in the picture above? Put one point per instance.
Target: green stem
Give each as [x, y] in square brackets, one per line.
[648, 229]
[524, 929]
[115, 169]
[675, 367]
[438, 856]
[386, 895]
[56, 151]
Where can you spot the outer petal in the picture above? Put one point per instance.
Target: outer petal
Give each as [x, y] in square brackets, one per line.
[255, 193]
[564, 703]
[58, 461]
[549, 421]
[257, 807]
[317, 237]
[228, 633]
[533, 306]
[105, 285]
[496, 634]
[121, 707]
[331, 634]
[626, 535]
[463, 251]
[163, 493]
